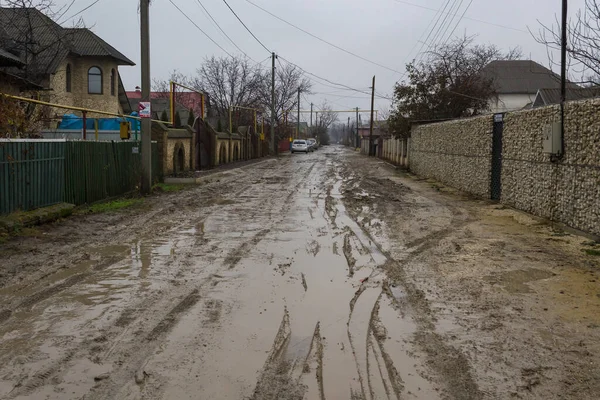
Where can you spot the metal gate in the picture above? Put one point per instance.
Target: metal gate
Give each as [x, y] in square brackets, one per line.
[496, 182]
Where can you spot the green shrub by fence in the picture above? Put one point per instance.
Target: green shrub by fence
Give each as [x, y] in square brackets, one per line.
[36, 174]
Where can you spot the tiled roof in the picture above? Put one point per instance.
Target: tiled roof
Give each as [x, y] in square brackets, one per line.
[521, 76]
[48, 43]
[8, 59]
[86, 43]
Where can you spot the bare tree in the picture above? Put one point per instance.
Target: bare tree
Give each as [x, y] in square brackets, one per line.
[583, 41]
[229, 82]
[326, 115]
[288, 79]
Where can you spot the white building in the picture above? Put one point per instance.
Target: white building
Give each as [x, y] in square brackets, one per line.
[517, 83]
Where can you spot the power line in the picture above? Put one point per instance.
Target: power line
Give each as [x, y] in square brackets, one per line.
[66, 10]
[459, 20]
[471, 19]
[248, 29]
[329, 81]
[200, 29]
[441, 38]
[423, 43]
[219, 26]
[81, 11]
[322, 40]
[439, 33]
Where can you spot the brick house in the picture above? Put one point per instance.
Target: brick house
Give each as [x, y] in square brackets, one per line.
[73, 65]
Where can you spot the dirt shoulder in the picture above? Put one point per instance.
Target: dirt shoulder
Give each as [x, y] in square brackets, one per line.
[517, 302]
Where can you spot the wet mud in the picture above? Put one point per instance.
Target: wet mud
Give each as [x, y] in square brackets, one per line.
[319, 276]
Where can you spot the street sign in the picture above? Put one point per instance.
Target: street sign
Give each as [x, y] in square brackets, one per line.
[144, 109]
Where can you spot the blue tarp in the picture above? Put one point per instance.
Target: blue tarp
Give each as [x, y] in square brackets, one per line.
[72, 121]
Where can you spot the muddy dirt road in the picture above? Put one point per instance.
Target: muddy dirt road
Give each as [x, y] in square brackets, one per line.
[319, 276]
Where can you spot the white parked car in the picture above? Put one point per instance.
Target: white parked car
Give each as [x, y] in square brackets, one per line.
[300, 146]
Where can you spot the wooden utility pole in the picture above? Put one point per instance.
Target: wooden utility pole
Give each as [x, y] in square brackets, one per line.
[298, 124]
[273, 144]
[146, 123]
[311, 111]
[357, 139]
[348, 133]
[371, 152]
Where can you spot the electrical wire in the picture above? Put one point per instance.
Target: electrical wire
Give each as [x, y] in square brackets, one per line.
[200, 29]
[438, 34]
[66, 10]
[81, 11]
[219, 26]
[248, 29]
[471, 19]
[323, 40]
[329, 81]
[450, 22]
[423, 43]
[459, 21]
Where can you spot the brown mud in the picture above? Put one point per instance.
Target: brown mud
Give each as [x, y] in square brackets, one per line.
[320, 276]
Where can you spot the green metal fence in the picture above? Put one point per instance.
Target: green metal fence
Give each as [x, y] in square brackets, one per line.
[31, 174]
[36, 174]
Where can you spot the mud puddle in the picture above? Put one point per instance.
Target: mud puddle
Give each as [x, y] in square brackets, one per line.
[51, 321]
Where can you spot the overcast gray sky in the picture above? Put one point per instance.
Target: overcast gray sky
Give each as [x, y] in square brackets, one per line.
[384, 31]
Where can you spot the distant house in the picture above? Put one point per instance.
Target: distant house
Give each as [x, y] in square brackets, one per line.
[546, 97]
[74, 66]
[517, 83]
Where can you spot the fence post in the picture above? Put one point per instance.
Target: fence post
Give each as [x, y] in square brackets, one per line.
[84, 125]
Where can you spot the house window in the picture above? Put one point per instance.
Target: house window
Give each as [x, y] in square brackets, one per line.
[113, 82]
[95, 80]
[68, 78]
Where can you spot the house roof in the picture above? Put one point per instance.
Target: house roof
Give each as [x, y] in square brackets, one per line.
[521, 76]
[45, 45]
[8, 59]
[546, 97]
[87, 43]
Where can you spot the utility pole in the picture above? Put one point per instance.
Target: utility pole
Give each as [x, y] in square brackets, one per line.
[298, 128]
[273, 144]
[357, 140]
[348, 133]
[311, 125]
[146, 123]
[371, 127]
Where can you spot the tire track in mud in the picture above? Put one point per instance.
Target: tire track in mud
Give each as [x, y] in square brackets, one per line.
[450, 365]
[236, 255]
[114, 337]
[45, 294]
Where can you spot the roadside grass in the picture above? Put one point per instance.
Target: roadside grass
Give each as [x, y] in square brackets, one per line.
[166, 187]
[114, 205]
[592, 252]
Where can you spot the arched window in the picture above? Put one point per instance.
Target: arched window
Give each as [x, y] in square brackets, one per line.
[95, 80]
[113, 82]
[68, 78]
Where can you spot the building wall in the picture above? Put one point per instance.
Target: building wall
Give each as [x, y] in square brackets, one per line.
[457, 153]
[79, 95]
[510, 102]
[568, 190]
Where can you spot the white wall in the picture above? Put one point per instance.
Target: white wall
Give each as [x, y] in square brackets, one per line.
[511, 102]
